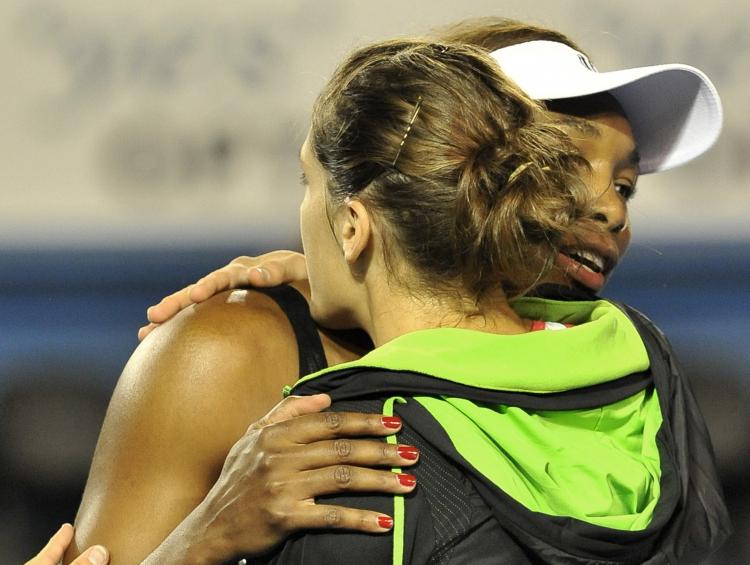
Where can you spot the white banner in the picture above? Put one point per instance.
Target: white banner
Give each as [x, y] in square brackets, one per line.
[174, 122]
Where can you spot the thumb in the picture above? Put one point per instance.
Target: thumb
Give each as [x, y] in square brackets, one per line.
[96, 555]
[293, 406]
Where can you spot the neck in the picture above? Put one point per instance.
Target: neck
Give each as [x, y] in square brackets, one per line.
[392, 311]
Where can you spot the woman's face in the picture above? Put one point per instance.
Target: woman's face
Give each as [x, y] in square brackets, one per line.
[606, 141]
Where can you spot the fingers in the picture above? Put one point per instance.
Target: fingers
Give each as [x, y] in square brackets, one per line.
[308, 515]
[294, 406]
[96, 555]
[233, 275]
[271, 269]
[145, 330]
[169, 306]
[325, 516]
[356, 452]
[296, 453]
[332, 480]
[330, 425]
[285, 268]
[55, 549]
[347, 478]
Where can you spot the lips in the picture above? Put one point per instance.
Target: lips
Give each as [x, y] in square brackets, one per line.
[588, 266]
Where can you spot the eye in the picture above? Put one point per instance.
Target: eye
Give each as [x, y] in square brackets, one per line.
[302, 178]
[625, 189]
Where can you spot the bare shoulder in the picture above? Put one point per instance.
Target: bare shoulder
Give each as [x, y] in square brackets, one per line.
[239, 348]
[188, 392]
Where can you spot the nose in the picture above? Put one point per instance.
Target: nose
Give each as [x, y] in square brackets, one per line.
[611, 210]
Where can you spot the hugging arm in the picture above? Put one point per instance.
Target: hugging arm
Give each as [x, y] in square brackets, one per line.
[161, 486]
[270, 269]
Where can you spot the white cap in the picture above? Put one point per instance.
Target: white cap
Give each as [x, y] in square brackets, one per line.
[674, 110]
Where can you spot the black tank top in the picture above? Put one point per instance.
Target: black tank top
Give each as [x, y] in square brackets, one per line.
[311, 356]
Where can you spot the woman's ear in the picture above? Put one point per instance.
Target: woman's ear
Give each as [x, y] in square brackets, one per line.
[355, 230]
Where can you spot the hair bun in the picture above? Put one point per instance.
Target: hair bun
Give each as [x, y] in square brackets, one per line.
[484, 187]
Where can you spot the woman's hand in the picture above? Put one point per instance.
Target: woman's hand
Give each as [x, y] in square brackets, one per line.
[271, 269]
[55, 548]
[267, 488]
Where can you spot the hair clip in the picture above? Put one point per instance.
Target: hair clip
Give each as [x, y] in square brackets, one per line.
[408, 129]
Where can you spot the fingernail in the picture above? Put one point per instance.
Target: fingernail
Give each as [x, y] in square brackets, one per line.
[265, 275]
[97, 555]
[392, 422]
[406, 480]
[408, 452]
[385, 522]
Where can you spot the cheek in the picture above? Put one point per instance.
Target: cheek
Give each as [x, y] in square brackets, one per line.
[623, 241]
[303, 223]
[317, 246]
[326, 271]
[310, 235]
[594, 180]
[308, 225]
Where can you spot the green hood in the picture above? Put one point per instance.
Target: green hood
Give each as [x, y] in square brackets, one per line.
[604, 346]
[598, 465]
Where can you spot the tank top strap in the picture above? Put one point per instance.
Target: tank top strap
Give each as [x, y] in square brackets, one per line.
[311, 356]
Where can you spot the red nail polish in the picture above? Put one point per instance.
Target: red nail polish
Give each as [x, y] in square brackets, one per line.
[392, 422]
[407, 480]
[408, 452]
[385, 522]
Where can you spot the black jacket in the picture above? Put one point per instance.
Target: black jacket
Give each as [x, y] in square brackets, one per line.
[457, 516]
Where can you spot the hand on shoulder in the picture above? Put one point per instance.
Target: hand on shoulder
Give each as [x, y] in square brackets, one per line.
[270, 269]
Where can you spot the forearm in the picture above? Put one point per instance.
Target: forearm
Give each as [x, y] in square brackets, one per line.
[197, 540]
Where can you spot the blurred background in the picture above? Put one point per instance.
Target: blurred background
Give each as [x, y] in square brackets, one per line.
[145, 143]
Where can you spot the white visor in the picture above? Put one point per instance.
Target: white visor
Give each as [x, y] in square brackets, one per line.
[674, 110]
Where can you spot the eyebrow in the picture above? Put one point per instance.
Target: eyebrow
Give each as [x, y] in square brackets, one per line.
[584, 126]
[632, 160]
[581, 125]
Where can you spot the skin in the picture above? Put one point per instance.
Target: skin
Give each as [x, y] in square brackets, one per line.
[273, 457]
[206, 376]
[350, 282]
[608, 145]
[53, 552]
